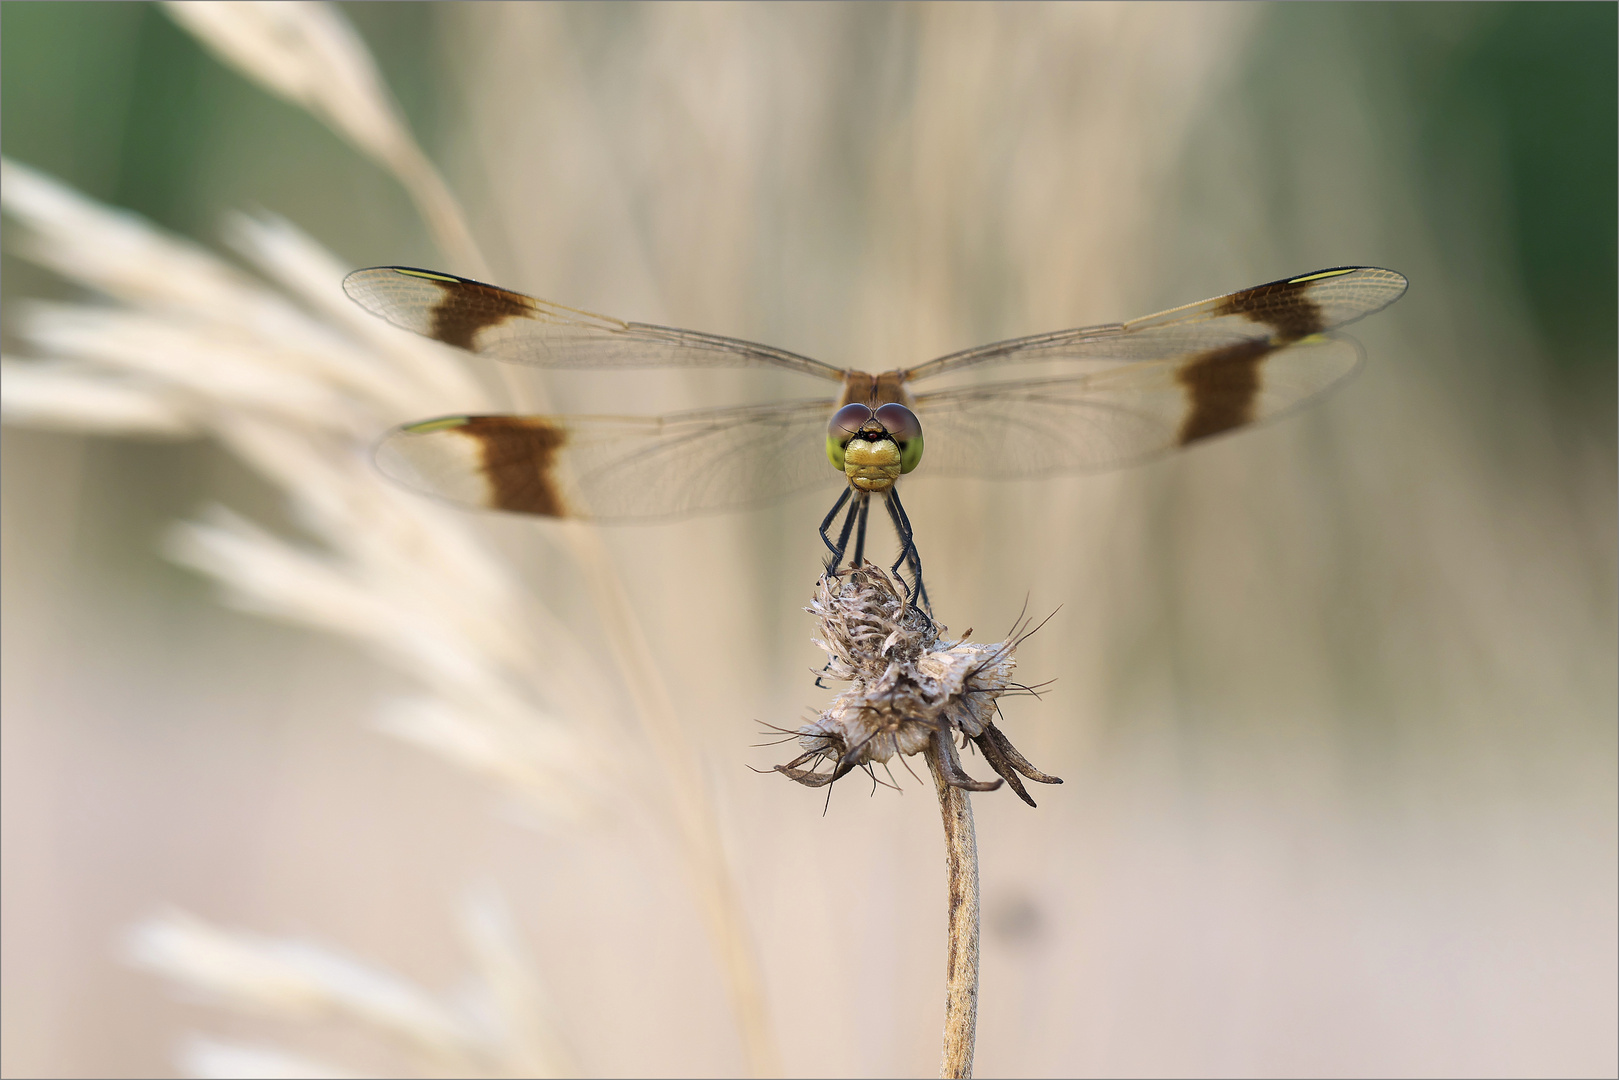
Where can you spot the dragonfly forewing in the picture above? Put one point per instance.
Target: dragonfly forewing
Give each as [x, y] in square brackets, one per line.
[1277, 313]
[521, 329]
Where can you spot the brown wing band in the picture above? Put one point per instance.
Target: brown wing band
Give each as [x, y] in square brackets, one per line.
[1222, 386]
[1281, 305]
[467, 307]
[519, 460]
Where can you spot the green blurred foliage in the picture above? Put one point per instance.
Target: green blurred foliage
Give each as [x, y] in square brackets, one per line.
[1545, 77]
[65, 71]
[1503, 119]
[1515, 119]
[118, 101]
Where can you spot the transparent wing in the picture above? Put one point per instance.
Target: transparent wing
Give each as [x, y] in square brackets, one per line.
[522, 330]
[610, 468]
[1123, 415]
[1279, 312]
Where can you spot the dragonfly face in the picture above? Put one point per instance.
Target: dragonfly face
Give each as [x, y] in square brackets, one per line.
[874, 447]
[1128, 392]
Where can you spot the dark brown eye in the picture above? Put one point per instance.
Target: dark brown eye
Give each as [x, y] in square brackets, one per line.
[899, 422]
[847, 421]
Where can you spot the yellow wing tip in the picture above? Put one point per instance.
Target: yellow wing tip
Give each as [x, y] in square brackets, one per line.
[1373, 271]
[427, 274]
[440, 424]
[1319, 275]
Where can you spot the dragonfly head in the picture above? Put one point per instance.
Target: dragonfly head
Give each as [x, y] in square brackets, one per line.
[872, 448]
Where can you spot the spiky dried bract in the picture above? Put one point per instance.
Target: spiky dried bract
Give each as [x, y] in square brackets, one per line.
[911, 688]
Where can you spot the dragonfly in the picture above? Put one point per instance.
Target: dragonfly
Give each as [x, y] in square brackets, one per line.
[1123, 393]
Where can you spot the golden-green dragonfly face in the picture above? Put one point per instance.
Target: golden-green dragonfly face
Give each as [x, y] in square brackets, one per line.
[1130, 392]
[874, 447]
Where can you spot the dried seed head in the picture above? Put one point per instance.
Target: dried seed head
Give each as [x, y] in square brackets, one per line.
[911, 688]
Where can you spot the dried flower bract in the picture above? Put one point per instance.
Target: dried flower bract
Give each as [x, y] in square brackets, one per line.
[911, 689]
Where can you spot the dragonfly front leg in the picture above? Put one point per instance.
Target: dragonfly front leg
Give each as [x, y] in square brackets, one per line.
[835, 563]
[826, 523]
[837, 549]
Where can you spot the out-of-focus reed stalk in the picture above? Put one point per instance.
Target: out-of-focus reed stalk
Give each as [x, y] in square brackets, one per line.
[705, 860]
[308, 54]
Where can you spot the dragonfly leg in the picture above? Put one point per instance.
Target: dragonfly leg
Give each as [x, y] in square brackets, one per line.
[836, 561]
[908, 555]
[833, 564]
[826, 523]
[905, 543]
[860, 533]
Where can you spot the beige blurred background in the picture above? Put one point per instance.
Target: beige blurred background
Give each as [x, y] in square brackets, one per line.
[1335, 699]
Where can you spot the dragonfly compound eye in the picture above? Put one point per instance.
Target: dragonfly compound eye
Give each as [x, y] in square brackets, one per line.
[847, 421]
[844, 425]
[906, 429]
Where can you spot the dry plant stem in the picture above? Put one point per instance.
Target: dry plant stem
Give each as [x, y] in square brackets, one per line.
[961, 955]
